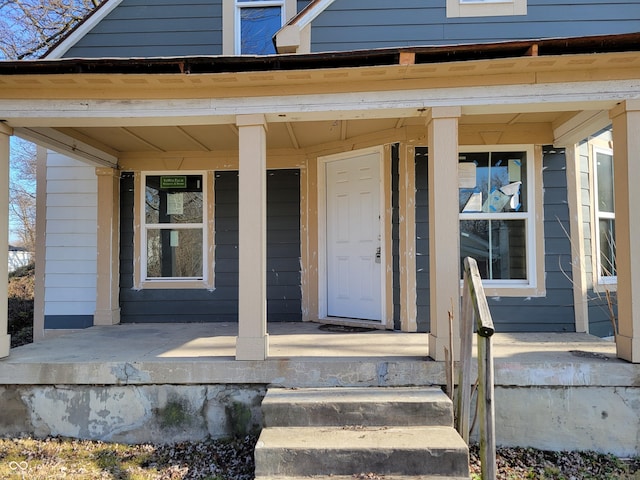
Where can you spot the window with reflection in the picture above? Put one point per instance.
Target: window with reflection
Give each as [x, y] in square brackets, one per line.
[257, 21]
[174, 233]
[495, 213]
[605, 215]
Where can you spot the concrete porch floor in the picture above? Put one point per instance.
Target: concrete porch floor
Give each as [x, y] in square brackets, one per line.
[301, 354]
[562, 391]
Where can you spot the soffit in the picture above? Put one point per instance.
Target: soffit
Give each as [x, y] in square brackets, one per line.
[206, 139]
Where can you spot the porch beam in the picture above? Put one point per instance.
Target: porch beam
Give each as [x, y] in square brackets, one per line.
[108, 260]
[66, 145]
[626, 158]
[5, 339]
[407, 214]
[321, 105]
[444, 230]
[579, 127]
[252, 342]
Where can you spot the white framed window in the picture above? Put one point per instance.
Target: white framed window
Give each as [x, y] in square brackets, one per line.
[256, 22]
[485, 8]
[497, 209]
[174, 235]
[604, 215]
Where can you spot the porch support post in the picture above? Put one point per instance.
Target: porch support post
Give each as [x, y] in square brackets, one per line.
[5, 339]
[626, 158]
[444, 236]
[253, 341]
[108, 262]
[407, 214]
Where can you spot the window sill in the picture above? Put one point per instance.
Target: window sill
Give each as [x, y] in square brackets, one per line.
[522, 290]
[486, 9]
[175, 285]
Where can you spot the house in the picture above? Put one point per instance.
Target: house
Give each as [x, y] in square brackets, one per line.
[18, 257]
[332, 160]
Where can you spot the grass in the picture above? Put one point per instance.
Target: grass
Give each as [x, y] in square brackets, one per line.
[63, 458]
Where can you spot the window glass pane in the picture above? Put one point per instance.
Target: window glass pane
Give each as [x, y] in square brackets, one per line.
[607, 247]
[174, 253]
[499, 247]
[173, 199]
[257, 27]
[493, 182]
[604, 165]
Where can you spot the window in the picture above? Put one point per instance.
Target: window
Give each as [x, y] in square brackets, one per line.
[173, 233]
[605, 216]
[257, 21]
[497, 215]
[485, 8]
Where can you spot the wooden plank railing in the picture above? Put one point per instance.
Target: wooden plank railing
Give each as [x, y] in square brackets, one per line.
[475, 313]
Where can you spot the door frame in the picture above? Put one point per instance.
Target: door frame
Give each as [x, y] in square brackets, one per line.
[386, 271]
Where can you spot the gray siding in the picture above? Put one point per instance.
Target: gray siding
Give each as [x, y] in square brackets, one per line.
[552, 313]
[422, 240]
[147, 28]
[395, 235]
[363, 24]
[221, 304]
[157, 28]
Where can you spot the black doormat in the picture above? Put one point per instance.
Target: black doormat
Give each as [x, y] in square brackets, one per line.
[345, 329]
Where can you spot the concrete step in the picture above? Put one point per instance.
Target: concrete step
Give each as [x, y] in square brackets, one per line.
[397, 406]
[368, 451]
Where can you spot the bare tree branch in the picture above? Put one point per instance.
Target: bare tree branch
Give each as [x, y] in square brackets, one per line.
[28, 28]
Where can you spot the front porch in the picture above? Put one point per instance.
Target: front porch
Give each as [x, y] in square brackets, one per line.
[553, 391]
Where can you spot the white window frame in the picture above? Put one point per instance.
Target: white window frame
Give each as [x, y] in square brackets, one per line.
[533, 224]
[173, 282]
[239, 5]
[602, 280]
[485, 8]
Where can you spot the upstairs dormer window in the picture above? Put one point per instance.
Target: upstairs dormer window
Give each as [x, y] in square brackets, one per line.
[485, 8]
[257, 21]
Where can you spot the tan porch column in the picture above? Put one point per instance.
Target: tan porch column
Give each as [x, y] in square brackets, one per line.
[626, 158]
[253, 341]
[108, 267]
[5, 340]
[444, 251]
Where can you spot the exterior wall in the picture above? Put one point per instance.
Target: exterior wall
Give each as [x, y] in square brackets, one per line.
[143, 28]
[70, 244]
[395, 235]
[18, 258]
[221, 303]
[359, 24]
[598, 310]
[422, 240]
[551, 313]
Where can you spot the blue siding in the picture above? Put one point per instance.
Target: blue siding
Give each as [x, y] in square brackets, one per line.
[422, 241]
[552, 313]
[364, 24]
[221, 304]
[146, 28]
[61, 322]
[157, 28]
[395, 235]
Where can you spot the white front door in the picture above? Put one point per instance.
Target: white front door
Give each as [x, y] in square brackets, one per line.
[353, 241]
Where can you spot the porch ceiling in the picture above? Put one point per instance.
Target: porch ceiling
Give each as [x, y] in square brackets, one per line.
[291, 135]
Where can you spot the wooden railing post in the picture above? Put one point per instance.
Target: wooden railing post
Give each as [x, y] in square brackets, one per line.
[475, 312]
